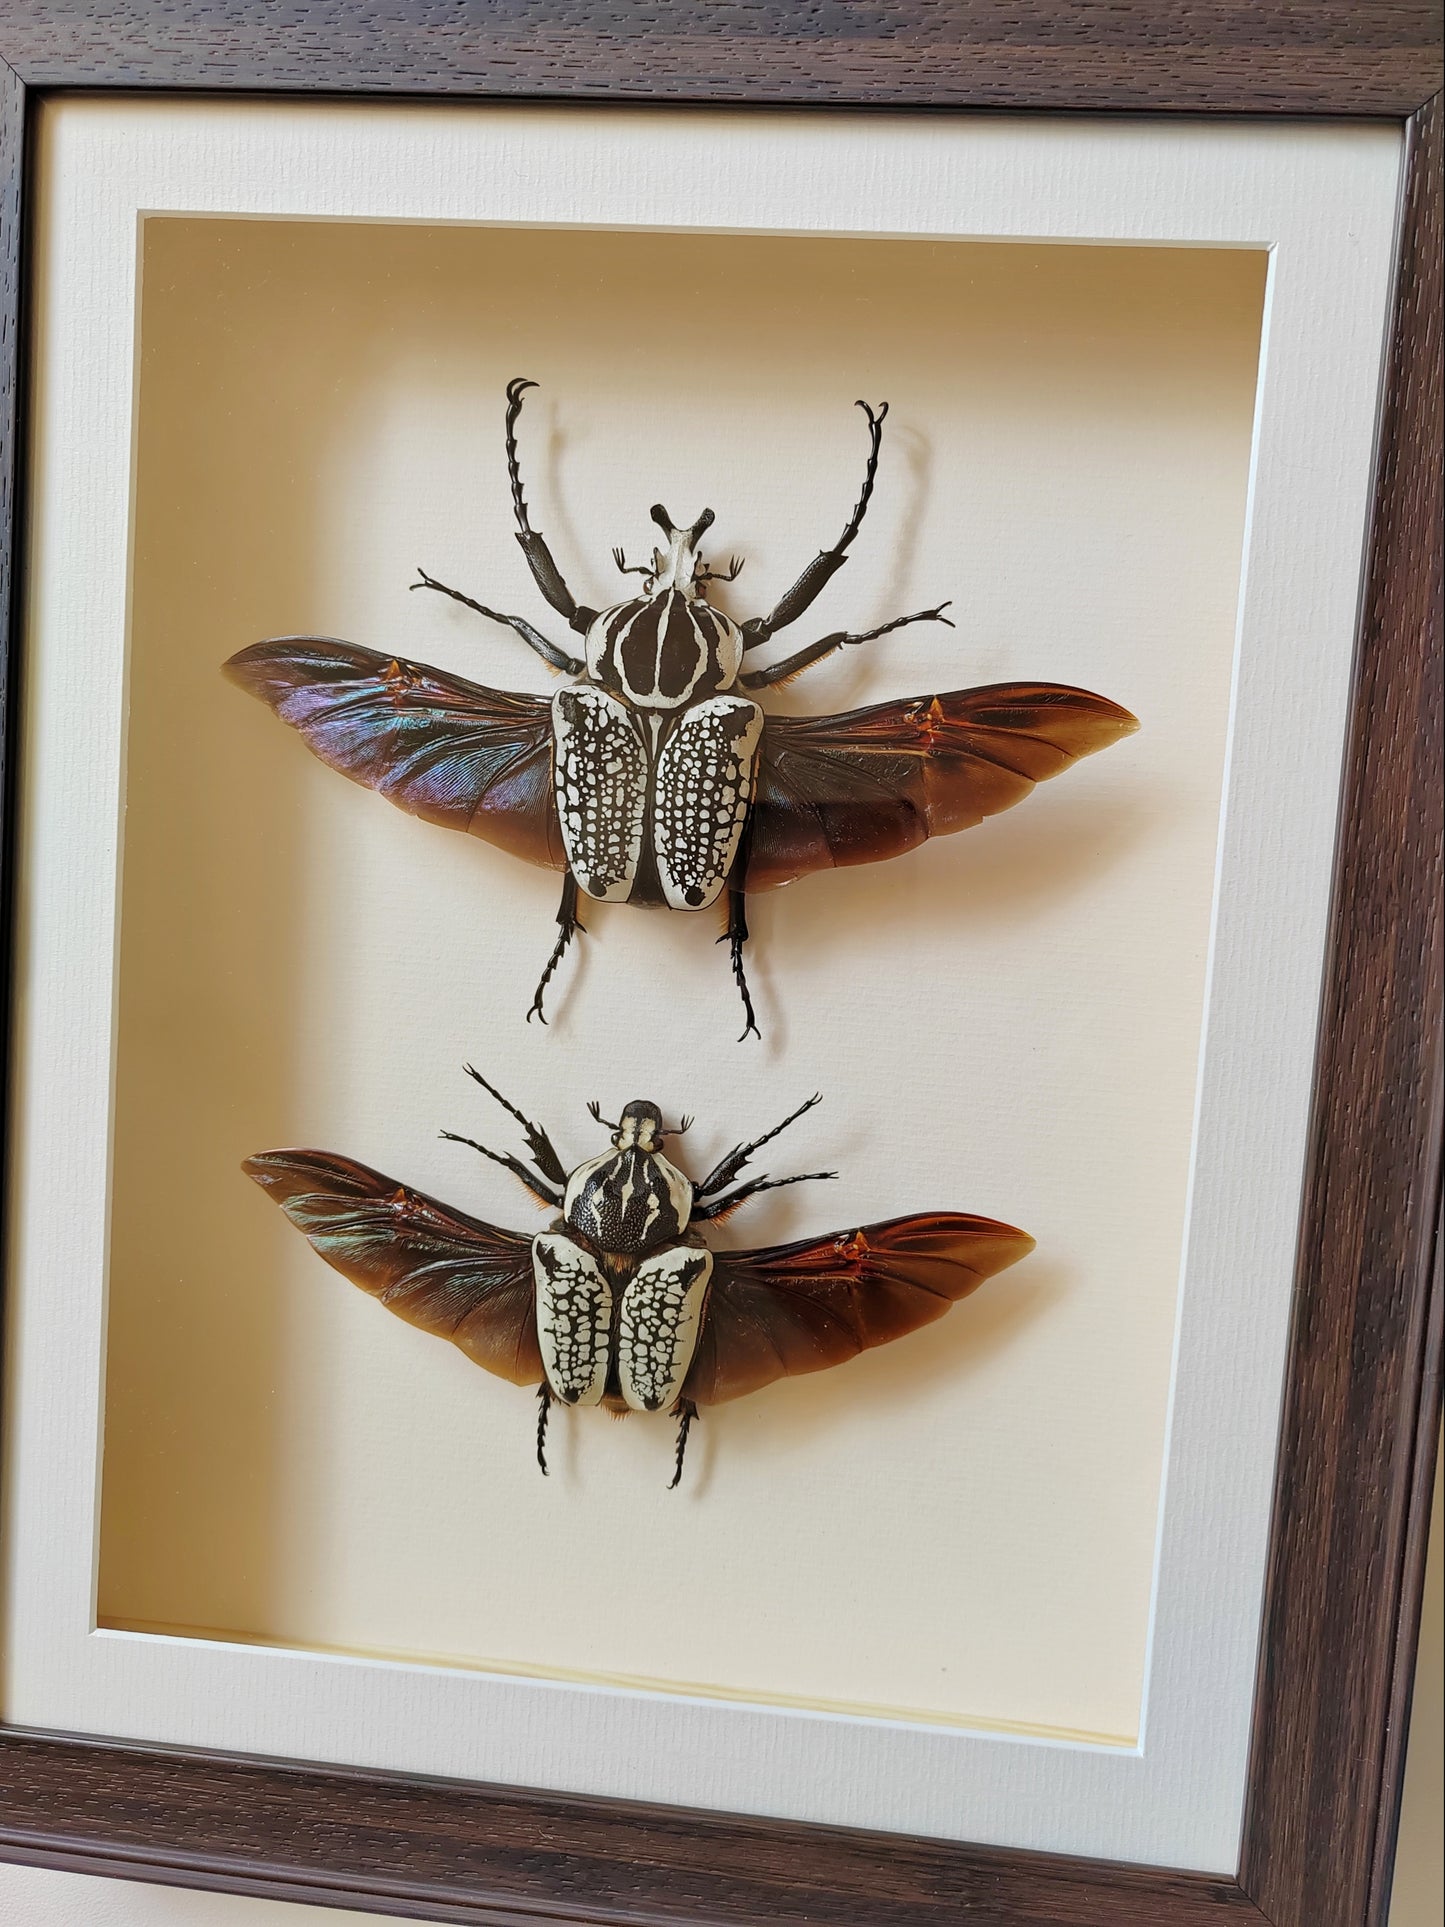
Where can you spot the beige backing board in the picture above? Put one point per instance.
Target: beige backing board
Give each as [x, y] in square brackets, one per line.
[959, 1527]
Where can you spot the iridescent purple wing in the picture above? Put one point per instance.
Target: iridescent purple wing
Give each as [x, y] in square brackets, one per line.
[451, 1275]
[439, 747]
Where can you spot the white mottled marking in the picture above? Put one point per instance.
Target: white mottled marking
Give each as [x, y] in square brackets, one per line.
[574, 1318]
[599, 773]
[658, 1324]
[701, 794]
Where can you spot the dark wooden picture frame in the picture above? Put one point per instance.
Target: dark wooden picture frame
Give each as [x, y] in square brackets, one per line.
[1363, 1392]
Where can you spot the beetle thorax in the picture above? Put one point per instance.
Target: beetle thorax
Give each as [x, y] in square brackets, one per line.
[667, 647]
[631, 1199]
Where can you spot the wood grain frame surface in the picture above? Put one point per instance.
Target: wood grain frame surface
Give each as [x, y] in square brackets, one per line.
[1363, 1389]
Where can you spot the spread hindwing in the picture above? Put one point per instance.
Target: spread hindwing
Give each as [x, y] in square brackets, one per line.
[599, 770]
[628, 1201]
[658, 1323]
[701, 794]
[574, 1318]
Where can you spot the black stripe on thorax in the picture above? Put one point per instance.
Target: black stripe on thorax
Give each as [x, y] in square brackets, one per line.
[660, 646]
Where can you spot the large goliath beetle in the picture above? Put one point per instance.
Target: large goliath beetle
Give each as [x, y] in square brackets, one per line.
[654, 776]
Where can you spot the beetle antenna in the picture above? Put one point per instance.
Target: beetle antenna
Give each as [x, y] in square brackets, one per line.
[629, 568]
[596, 1109]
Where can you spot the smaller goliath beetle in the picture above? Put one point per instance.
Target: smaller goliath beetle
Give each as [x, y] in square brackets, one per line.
[654, 777]
[620, 1303]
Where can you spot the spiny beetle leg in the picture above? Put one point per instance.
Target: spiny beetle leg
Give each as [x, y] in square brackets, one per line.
[802, 659]
[554, 657]
[544, 1406]
[821, 570]
[568, 927]
[735, 936]
[538, 1143]
[686, 1412]
[724, 1172]
[721, 1207]
[540, 1187]
[545, 572]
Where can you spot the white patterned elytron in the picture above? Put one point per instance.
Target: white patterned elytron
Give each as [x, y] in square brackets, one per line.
[701, 796]
[658, 1324]
[694, 799]
[574, 1318]
[599, 771]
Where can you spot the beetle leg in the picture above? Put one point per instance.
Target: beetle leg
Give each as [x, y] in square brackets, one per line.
[544, 1406]
[686, 1412]
[727, 1170]
[541, 1189]
[802, 659]
[720, 1207]
[821, 570]
[543, 1151]
[545, 572]
[735, 936]
[568, 926]
[554, 657]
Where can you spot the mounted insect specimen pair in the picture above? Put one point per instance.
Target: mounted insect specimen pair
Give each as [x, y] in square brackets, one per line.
[620, 1303]
[653, 776]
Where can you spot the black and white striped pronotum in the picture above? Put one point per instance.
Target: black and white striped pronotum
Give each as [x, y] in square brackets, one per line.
[654, 777]
[620, 1303]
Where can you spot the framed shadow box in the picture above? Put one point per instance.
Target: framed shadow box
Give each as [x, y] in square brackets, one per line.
[1096, 1600]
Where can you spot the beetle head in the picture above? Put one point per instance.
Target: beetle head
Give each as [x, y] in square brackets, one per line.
[640, 1127]
[676, 566]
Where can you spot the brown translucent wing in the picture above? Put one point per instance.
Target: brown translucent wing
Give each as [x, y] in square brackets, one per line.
[800, 1307]
[838, 790]
[436, 745]
[449, 1274]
